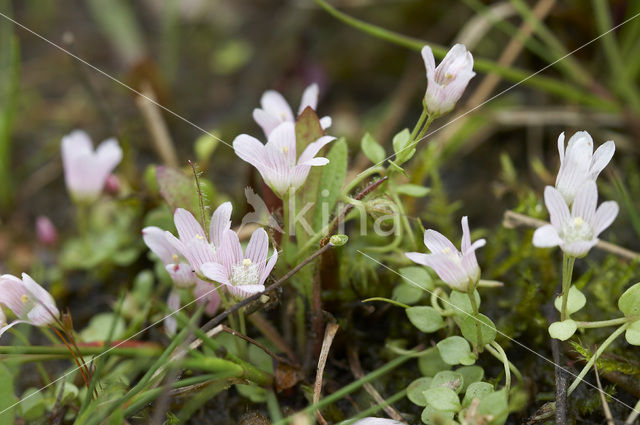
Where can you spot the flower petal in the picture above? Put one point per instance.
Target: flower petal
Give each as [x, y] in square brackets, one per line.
[546, 236]
[43, 299]
[207, 293]
[309, 98]
[265, 120]
[258, 248]
[251, 150]
[585, 203]
[187, 225]
[557, 207]
[156, 240]
[325, 122]
[313, 148]
[438, 243]
[606, 213]
[216, 272]
[270, 265]
[601, 158]
[561, 146]
[220, 223]
[276, 105]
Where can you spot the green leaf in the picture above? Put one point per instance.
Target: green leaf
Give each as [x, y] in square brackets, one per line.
[431, 416]
[632, 334]
[372, 149]
[461, 303]
[416, 389]
[629, 302]
[308, 129]
[6, 396]
[468, 326]
[99, 326]
[179, 190]
[496, 405]
[456, 350]
[253, 392]
[448, 379]
[575, 301]
[477, 390]
[470, 374]
[330, 185]
[563, 330]
[400, 144]
[417, 276]
[414, 190]
[430, 363]
[32, 405]
[427, 319]
[443, 399]
[407, 294]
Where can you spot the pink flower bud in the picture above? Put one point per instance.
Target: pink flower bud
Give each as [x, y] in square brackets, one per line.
[46, 231]
[446, 83]
[112, 185]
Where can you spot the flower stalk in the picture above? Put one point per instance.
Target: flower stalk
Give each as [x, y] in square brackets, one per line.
[567, 272]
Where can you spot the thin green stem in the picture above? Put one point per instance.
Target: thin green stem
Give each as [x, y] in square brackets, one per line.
[567, 272]
[512, 367]
[418, 126]
[595, 356]
[58, 350]
[605, 323]
[387, 300]
[361, 177]
[273, 406]
[404, 220]
[474, 305]
[505, 361]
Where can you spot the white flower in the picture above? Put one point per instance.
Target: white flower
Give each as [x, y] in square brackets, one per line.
[277, 161]
[457, 269]
[275, 109]
[86, 171]
[578, 231]
[28, 301]
[579, 164]
[243, 273]
[446, 83]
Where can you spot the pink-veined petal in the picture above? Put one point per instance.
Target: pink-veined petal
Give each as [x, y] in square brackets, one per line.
[561, 146]
[313, 148]
[269, 266]
[187, 225]
[251, 150]
[276, 105]
[283, 141]
[429, 62]
[156, 240]
[207, 293]
[449, 270]
[465, 244]
[109, 155]
[546, 237]
[220, 223]
[557, 207]
[170, 322]
[258, 247]
[216, 272]
[265, 120]
[437, 242]
[182, 274]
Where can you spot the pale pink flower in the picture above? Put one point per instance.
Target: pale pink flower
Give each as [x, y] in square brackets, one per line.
[207, 292]
[195, 246]
[86, 170]
[28, 301]
[176, 265]
[173, 303]
[457, 269]
[275, 109]
[446, 83]
[46, 231]
[578, 231]
[277, 161]
[579, 164]
[243, 273]
[112, 184]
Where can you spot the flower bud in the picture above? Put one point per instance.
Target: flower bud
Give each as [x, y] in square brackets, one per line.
[46, 231]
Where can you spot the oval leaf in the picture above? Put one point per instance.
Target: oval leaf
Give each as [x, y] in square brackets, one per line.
[417, 276]
[632, 335]
[372, 149]
[456, 350]
[468, 325]
[575, 302]
[629, 302]
[414, 190]
[448, 379]
[563, 330]
[443, 399]
[416, 389]
[427, 319]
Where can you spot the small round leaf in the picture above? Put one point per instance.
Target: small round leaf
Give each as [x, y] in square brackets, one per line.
[448, 379]
[496, 405]
[455, 350]
[629, 302]
[468, 326]
[427, 319]
[632, 335]
[443, 399]
[417, 277]
[431, 416]
[477, 390]
[575, 302]
[407, 294]
[416, 389]
[563, 330]
[470, 374]
[461, 303]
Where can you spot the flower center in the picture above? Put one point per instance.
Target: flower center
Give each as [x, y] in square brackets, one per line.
[24, 298]
[245, 273]
[285, 149]
[576, 229]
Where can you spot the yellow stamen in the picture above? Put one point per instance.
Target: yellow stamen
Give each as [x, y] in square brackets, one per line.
[246, 262]
[578, 221]
[174, 257]
[446, 250]
[24, 298]
[285, 149]
[200, 237]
